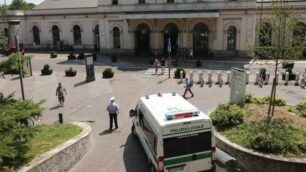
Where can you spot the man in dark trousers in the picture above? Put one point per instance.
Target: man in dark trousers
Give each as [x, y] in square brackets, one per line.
[113, 110]
[189, 84]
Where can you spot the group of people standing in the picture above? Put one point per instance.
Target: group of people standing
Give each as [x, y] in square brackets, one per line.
[159, 64]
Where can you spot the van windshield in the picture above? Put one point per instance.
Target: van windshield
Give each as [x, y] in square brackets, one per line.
[187, 144]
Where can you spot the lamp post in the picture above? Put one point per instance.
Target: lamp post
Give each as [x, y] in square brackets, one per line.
[14, 26]
[169, 53]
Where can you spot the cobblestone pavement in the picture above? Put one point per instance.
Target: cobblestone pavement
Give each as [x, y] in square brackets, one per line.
[118, 151]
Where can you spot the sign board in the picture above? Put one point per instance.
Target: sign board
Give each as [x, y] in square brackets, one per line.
[238, 86]
[90, 71]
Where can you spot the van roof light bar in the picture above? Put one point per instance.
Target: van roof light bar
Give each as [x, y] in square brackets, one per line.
[182, 114]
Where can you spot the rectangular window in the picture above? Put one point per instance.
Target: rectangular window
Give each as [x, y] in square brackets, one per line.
[187, 144]
[148, 131]
[114, 2]
[170, 1]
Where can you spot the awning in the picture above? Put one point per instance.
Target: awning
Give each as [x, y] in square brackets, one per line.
[171, 15]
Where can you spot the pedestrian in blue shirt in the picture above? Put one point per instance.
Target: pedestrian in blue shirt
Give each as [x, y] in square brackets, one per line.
[113, 110]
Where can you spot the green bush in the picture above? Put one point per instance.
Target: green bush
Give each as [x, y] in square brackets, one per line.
[178, 71]
[288, 64]
[53, 54]
[70, 72]
[15, 134]
[280, 137]
[11, 66]
[46, 70]
[248, 98]
[108, 73]
[264, 100]
[227, 116]
[301, 108]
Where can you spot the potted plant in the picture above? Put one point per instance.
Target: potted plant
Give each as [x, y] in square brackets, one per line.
[288, 64]
[198, 63]
[71, 56]
[177, 72]
[46, 70]
[81, 56]
[53, 54]
[114, 58]
[108, 73]
[291, 75]
[70, 72]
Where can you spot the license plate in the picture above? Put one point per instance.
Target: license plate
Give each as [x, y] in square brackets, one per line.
[175, 169]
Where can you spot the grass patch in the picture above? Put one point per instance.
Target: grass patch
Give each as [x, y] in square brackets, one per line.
[50, 136]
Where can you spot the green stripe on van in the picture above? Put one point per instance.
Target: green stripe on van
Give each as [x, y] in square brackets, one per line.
[186, 159]
[204, 129]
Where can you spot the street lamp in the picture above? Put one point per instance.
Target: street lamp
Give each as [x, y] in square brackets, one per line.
[14, 26]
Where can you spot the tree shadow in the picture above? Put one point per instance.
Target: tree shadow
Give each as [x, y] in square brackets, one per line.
[80, 84]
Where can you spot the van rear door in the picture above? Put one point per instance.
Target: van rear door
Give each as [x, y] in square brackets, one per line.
[188, 152]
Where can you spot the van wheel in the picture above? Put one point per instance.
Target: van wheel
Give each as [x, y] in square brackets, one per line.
[133, 131]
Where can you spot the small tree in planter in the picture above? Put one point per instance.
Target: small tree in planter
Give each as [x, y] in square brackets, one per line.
[178, 71]
[108, 73]
[288, 64]
[46, 70]
[71, 56]
[114, 58]
[53, 54]
[81, 56]
[70, 72]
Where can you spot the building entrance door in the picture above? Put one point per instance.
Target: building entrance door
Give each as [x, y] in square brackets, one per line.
[171, 31]
[97, 38]
[200, 40]
[143, 40]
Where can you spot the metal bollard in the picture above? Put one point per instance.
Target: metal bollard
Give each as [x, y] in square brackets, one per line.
[267, 78]
[297, 78]
[201, 80]
[286, 78]
[247, 79]
[60, 118]
[219, 79]
[191, 75]
[228, 74]
[181, 76]
[257, 78]
[209, 80]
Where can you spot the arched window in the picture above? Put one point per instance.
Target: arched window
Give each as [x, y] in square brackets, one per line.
[55, 34]
[114, 2]
[231, 38]
[36, 37]
[77, 37]
[142, 1]
[265, 35]
[299, 33]
[116, 37]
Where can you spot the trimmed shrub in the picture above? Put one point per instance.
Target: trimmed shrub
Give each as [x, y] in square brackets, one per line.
[178, 71]
[53, 54]
[46, 70]
[71, 56]
[288, 64]
[70, 72]
[108, 73]
[81, 56]
[227, 116]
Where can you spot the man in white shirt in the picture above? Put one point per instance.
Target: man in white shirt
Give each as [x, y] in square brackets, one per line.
[113, 110]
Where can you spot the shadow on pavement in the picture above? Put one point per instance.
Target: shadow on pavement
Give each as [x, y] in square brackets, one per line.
[105, 132]
[80, 84]
[55, 107]
[133, 156]
[131, 69]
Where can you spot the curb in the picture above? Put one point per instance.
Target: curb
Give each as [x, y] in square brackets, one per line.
[252, 161]
[64, 156]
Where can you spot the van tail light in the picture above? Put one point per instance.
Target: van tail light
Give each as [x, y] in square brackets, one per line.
[213, 156]
[160, 164]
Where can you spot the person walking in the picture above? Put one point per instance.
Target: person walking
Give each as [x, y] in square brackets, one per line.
[113, 110]
[163, 65]
[189, 84]
[156, 64]
[60, 93]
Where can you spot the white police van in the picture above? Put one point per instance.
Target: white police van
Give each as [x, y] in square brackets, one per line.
[175, 135]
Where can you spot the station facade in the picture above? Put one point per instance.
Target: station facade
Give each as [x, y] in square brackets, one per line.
[145, 27]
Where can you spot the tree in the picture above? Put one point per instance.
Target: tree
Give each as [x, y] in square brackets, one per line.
[21, 5]
[14, 133]
[280, 39]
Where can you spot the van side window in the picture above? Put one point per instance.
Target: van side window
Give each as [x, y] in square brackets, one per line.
[140, 114]
[148, 132]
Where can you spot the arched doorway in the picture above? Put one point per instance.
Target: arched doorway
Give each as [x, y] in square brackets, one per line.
[77, 37]
[200, 40]
[116, 37]
[171, 32]
[97, 38]
[56, 36]
[143, 39]
[36, 36]
[231, 38]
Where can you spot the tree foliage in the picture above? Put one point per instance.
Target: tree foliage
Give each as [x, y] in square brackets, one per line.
[21, 5]
[11, 64]
[14, 134]
[281, 38]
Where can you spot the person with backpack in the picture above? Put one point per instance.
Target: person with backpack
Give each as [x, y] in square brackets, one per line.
[189, 84]
[60, 92]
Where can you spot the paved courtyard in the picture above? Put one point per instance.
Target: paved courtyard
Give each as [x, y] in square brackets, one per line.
[118, 151]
